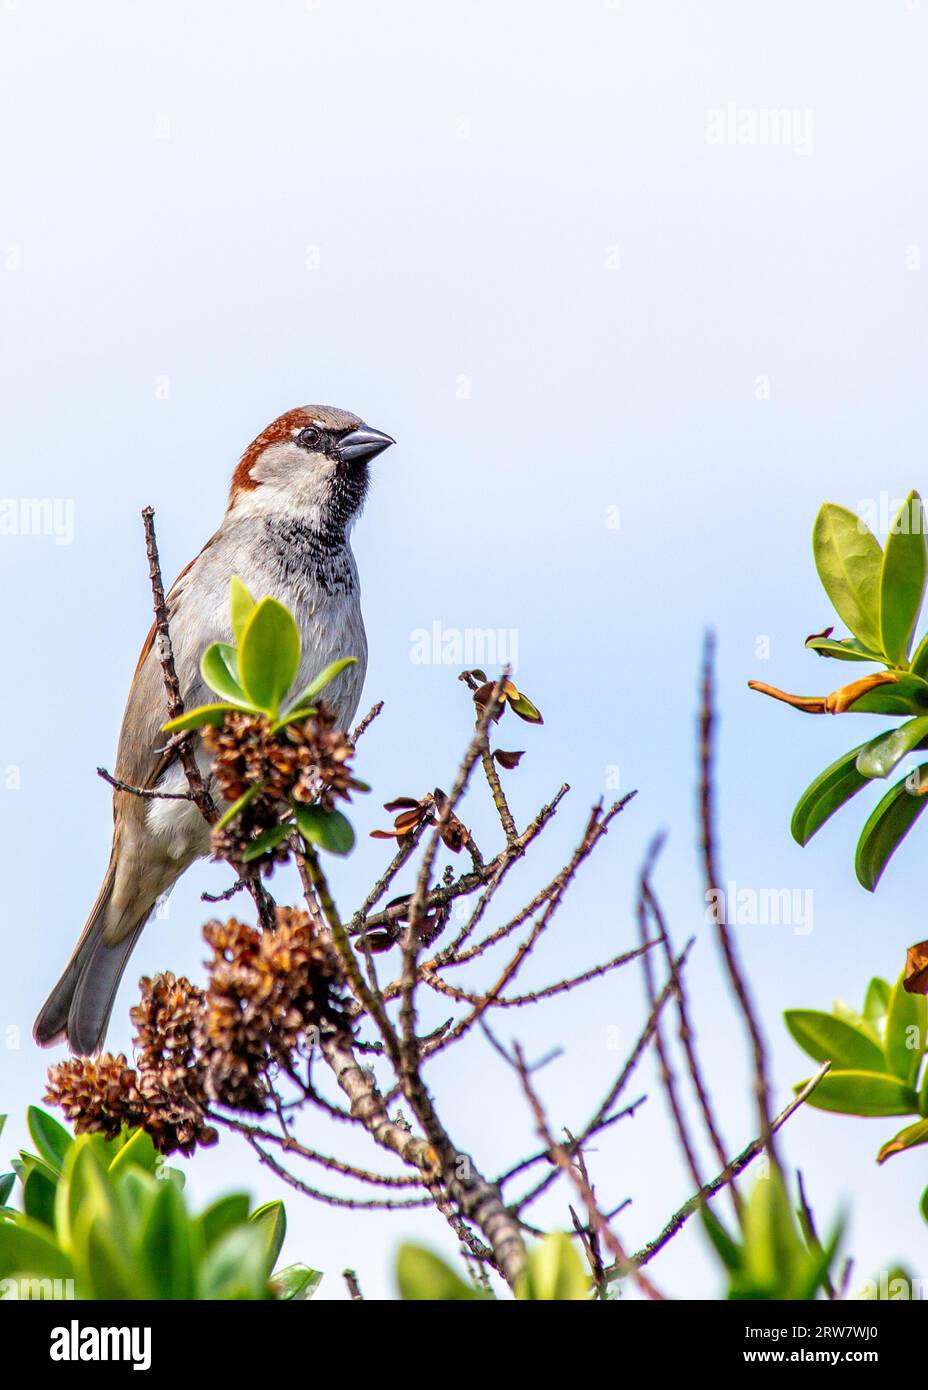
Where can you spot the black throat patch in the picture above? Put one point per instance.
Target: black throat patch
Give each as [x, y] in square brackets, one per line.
[319, 550]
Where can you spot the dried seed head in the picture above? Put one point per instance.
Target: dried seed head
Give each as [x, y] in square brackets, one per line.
[309, 761]
[97, 1094]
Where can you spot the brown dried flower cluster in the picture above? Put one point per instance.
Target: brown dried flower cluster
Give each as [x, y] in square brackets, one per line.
[171, 1084]
[266, 991]
[97, 1094]
[163, 1094]
[303, 762]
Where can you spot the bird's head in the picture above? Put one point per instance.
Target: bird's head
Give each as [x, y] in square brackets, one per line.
[311, 463]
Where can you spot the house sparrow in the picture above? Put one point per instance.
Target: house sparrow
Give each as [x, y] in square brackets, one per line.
[294, 497]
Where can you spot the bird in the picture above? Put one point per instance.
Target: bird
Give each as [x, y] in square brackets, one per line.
[294, 497]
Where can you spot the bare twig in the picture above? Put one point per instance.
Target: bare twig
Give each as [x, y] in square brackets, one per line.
[146, 793]
[713, 890]
[687, 1039]
[198, 789]
[175, 700]
[667, 1076]
[366, 722]
[736, 1165]
[562, 1158]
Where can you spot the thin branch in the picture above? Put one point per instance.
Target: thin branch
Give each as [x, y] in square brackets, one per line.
[408, 1053]
[146, 793]
[290, 1145]
[663, 1056]
[564, 1161]
[548, 992]
[543, 1154]
[687, 1038]
[367, 721]
[713, 880]
[736, 1165]
[332, 1199]
[198, 789]
[175, 700]
[597, 826]
[644, 1038]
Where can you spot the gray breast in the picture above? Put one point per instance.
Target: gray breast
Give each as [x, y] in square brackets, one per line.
[320, 588]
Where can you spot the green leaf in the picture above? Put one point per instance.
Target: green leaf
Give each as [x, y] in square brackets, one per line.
[923, 1094]
[919, 663]
[221, 1217]
[29, 1248]
[728, 1250]
[523, 707]
[269, 654]
[266, 841]
[219, 668]
[882, 754]
[39, 1197]
[907, 695]
[166, 1245]
[105, 1265]
[773, 1248]
[196, 718]
[829, 1039]
[328, 829]
[876, 1002]
[7, 1182]
[862, 1093]
[847, 649]
[136, 1191]
[830, 790]
[295, 1283]
[137, 1152]
[923, 1204]
[849, 562]
[318, 684]
[240, 605]
[902, 581]
[30, 1162]
[812, 1275]
[293, 716]
[904, 1042]
[424, 1278]
[235, 1267]
[889, 823]
[271, 1220]
[50, 1138]
[238, 806]
[82, 1185]
[856, 1020]
[554, 1272]
[908, 1138]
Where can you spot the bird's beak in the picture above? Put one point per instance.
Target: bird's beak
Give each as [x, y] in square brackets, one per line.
[363, 443]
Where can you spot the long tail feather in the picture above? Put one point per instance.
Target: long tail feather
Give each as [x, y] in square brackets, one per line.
[79, 1006]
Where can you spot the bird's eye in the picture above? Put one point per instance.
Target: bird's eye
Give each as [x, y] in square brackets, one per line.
[310, 438]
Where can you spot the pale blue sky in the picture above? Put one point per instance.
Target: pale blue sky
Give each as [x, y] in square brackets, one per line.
[415, 212]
